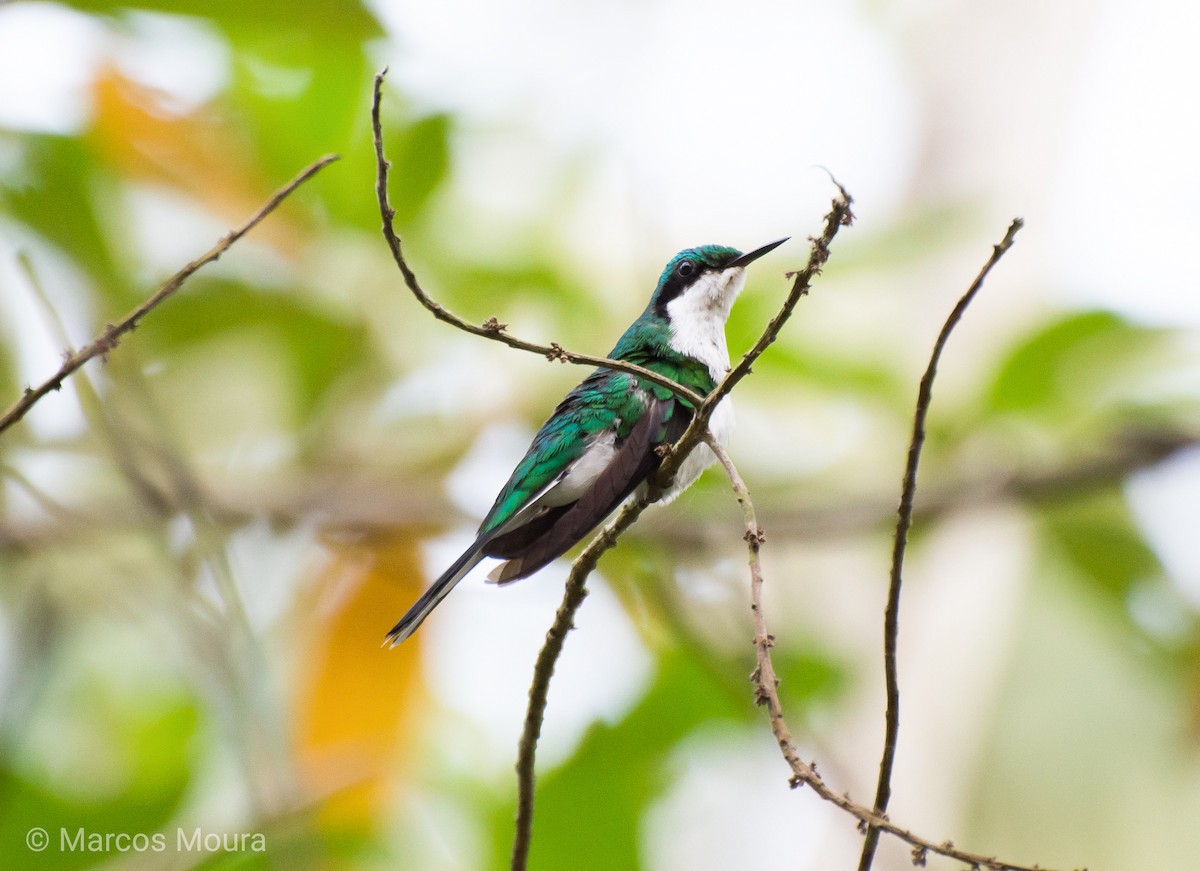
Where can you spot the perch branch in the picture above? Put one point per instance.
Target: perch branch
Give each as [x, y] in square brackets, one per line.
[839, 216]
[891, 621]
[113, 333]
[564, 622]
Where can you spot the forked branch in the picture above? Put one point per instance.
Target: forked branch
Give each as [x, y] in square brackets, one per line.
[764, 678]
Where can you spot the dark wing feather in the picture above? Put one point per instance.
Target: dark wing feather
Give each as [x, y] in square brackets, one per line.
[510, 545]
[664, 420]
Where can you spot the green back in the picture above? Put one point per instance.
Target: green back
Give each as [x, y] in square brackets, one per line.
[604, 400]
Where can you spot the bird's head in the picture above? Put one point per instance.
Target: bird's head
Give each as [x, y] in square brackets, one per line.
[703, 281]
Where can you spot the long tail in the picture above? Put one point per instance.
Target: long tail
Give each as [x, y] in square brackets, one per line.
[433, 596]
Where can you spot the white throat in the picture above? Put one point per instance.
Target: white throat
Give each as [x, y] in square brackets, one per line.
[697, 317]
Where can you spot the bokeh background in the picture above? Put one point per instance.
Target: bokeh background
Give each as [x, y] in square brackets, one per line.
[203, 540]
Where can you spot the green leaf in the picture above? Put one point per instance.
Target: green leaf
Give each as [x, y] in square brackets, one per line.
[298, 100]
[57, 196]
[332, 19]
[808, 676]
[420, 158]
[160, 736]
[794, 359]
[532, 280]
[1098, 536]
[1063, 366]
[590, 808]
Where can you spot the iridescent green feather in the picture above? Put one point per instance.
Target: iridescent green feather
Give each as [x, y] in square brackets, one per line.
[604, 400]
[610, 400]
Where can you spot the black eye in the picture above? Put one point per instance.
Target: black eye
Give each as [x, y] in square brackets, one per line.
[684, 269]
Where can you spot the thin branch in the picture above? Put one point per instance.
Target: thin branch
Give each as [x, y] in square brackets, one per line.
[766, 694]
[491, 328]
[891, 622]
[839, 216]
[113, 333]
[763, 677]
[125, 451]
[573, 596]
[564, 622]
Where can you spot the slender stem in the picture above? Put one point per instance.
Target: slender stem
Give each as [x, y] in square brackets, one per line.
[763, 677]
[766, 694]
[891, 621]
[113, 333]
[564, 622]
[839, 216]
[492, 328]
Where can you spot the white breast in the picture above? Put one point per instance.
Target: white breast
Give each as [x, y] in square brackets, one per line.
[697, 317]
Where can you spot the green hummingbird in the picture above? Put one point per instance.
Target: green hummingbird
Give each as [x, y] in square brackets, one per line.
[599, 445]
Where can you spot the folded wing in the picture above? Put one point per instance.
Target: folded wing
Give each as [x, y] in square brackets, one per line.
[545, 530]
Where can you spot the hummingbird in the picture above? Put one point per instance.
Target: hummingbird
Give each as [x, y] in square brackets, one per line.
[599, 445]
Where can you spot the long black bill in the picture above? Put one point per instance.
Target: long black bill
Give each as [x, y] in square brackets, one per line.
[756, 253]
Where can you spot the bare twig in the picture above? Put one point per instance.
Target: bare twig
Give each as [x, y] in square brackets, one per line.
[698, 428]
[113, 333]
[763, 677]
[352, 504]
[766, 693]
[891, 621]
[491, 328]
[839, 216]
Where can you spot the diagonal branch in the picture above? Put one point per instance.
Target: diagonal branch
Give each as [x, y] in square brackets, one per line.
[891, 622]
[766, 693]
[839, 216]
[573, 595]
[490, 329]
[113, 333]
[543, 670]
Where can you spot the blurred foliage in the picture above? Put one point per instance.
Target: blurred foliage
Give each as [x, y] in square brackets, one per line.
[321, 349]
[1098, 536]
[204, 655]
[619, 768]
[1041, 377]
